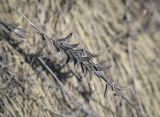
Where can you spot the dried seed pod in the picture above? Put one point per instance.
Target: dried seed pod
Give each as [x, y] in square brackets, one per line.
[66, 38]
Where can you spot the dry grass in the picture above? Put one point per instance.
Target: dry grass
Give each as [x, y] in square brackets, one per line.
[102, 27]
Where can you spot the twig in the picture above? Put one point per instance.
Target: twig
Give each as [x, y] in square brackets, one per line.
[80, 57]
[50, 71]
[42, 32]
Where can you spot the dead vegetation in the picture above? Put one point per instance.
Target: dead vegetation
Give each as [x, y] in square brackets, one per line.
[36, 81]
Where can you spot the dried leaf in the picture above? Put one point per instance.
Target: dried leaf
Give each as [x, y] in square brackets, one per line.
[90, 54]
[67, 46]
[106, 90]
[84, 59]
[66, 38]
[84, 69]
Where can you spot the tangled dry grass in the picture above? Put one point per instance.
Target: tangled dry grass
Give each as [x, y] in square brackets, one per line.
[123, 33]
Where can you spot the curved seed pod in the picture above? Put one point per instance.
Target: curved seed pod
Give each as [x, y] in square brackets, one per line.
[90, 54]
[68, 46]
[84, 69]
[56, 45]
[79, 52]
[69, 54]
[106, 90]
[90, 74]
[91, 67]
[66, 38]
[85, 59]
[74, 45]
[76, 58]
[67, 60]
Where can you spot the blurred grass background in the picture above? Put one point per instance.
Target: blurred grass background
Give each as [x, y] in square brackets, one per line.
[103, 27]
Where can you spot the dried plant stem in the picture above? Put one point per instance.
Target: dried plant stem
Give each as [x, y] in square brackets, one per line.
[50, 71]
[64, 92]
[40, 31]
[81, 58]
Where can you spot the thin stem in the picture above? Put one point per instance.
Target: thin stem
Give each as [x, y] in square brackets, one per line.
[30, 22]
[50, 71]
